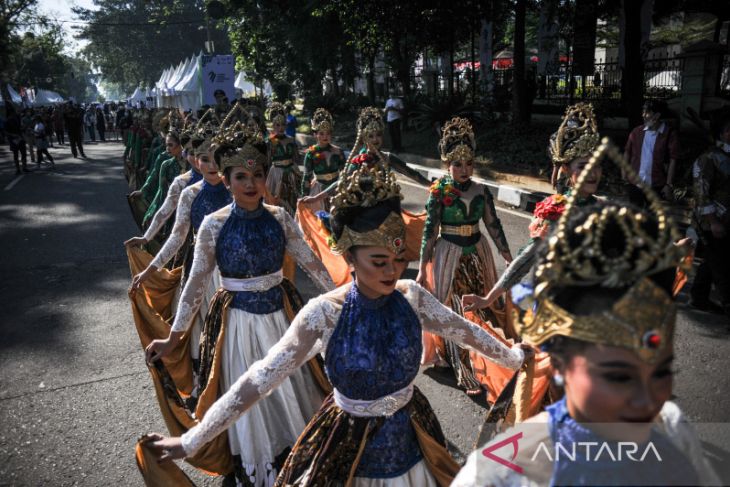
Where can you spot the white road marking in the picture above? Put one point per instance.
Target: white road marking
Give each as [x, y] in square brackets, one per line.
[520, 214]
[13, 182]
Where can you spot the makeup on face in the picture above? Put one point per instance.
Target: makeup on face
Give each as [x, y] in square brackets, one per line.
[377, 269]
[247, 186]
[461, 171]
[611, 385]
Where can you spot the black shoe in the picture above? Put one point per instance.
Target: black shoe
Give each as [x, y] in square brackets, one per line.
[18, 171]
[706, 305]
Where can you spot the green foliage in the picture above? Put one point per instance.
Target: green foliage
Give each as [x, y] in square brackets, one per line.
[35, 57]
[131, 42]
[433, 113]
[516, 147]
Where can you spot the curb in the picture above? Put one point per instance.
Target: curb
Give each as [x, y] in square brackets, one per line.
[510, 195]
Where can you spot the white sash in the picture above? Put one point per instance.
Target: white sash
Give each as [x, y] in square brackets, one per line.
[382, 406]
[253, 284]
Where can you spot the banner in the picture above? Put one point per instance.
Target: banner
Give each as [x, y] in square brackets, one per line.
[217, 75]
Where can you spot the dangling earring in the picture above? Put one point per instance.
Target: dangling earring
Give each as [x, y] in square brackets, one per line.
[558, 380]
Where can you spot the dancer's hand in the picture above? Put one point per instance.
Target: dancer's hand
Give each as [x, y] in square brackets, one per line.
[507, 256]
[135, 242]
[311, 200]
[472, 302]
[528, 350]
[158, 349]
[135, 194]
[166, 449]
[140, 278]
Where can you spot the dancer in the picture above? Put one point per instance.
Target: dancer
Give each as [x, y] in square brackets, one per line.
[601, 304]
[370, 133]
[196, 202]
[367, 151]
[251, 312]
[455, 256]
[284, 179]
[322, 161]
[377, 428]
[172, 180]
[571, 147]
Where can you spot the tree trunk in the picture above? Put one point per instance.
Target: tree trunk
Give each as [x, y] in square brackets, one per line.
[519, 98]
[632, 68]
[486, 73]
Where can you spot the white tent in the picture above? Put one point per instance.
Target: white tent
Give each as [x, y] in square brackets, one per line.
[14, 97]
[46, 97]
[179, 86]
[247, 87]
[138, 97]
[187, 88]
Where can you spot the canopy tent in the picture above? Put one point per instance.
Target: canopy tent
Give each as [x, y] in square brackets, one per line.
[179, 86]
[15, 98]
[247, 87]
[45, 98]
[138, 95]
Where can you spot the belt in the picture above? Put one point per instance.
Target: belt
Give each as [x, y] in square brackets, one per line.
[253, 284]
[460, 230]
[327, 177]
[283, 163]
[382, 406]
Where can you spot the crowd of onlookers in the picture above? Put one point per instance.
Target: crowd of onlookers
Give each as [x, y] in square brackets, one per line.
[30, 132]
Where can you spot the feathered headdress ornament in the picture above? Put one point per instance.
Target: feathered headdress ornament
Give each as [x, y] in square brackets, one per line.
[577, 135]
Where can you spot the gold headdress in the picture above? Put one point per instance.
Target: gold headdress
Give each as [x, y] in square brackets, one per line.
[277, 113]
[457, 141]
[643, 318]
[367, 187]
[175, 122]
[370, 120]
[248, 152]
[322, 120]
[204, 131]
[577, 135]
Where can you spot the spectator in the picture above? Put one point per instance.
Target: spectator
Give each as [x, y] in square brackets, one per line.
[73, 119]
[711, 174]
[291, 122]
[41, 139]
[90, 122]
[652, 150]
[124, 121]
[394, 113]
[57, 118]
[26, 123]
[101, 124]
[16, 138]
[48, 124]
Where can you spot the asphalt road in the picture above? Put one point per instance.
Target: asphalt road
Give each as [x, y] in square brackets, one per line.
[74, 391]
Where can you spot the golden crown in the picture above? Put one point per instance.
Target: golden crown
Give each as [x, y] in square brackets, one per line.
[277, 112]
[322, 120]
[457, 141]
[370, 120]
[391, 234]
[245, 155]
[365, 186]
[643, 319]
[577, 135]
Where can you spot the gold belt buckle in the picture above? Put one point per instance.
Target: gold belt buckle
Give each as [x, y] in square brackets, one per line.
[465, 230]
